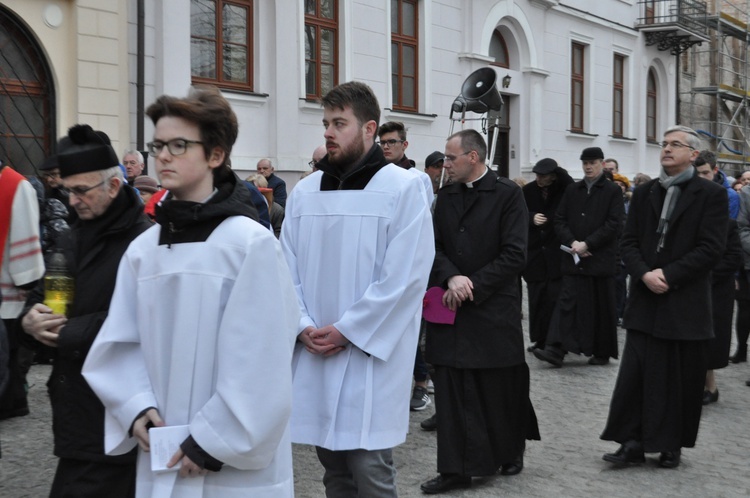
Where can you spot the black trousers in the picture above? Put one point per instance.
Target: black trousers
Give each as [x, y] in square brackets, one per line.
[484, 417]
[83, 479]
[658, 395]
[542, 298]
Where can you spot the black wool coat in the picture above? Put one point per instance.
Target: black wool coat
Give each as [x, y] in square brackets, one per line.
[77, 413]
[595, 217]
[544, 254]
[695, 241]
[482, 235]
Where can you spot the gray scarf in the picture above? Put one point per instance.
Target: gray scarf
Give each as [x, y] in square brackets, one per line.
[672, 185]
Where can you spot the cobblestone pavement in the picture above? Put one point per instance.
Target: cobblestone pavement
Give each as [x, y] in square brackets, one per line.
[571, 404]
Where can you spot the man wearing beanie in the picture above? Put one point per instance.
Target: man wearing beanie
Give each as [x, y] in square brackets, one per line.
[110, 216]
[542, 273]
[588, 222]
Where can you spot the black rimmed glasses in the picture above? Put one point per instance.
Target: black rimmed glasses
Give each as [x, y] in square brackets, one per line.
[390, 143]
[81, 191]
[450, 159]
[674, 145]
[176, 146]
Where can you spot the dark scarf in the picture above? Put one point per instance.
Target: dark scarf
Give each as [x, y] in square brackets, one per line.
[187, 221]
[119, 214]
[673, 186]
[351, 177]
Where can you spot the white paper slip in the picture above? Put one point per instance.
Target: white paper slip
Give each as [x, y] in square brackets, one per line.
[165, 441]
[576, 257]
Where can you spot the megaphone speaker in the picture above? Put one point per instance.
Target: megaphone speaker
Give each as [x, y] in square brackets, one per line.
[480, 91]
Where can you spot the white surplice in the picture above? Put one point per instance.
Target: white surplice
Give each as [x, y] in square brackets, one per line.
[360, 260]
[204, 332]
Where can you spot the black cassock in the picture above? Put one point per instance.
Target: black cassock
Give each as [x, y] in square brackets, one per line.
[483, 408]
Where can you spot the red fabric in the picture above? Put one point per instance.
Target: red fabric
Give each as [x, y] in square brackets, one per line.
[9, 180]
[150, 207]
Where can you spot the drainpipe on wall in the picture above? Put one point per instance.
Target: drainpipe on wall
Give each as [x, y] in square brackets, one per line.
[139, 74]
[678, 100]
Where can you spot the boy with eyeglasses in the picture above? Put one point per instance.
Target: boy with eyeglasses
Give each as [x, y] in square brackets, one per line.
[203, 322]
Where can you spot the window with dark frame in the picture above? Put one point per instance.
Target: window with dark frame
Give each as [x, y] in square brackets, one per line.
[404, 54]
[499, 50]
[321, 47]
[221, 43]
[618, 95]
[651, 106]
[27, 98]
[577, 81]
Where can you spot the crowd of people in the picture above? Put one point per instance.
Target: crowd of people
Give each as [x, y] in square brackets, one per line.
[226, 319]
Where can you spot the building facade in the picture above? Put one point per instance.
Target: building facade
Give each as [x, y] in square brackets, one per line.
[572, 73]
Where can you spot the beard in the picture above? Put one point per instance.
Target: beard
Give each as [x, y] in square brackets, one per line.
[348, 156]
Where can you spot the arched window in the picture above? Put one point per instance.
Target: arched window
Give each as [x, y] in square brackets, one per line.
[651, 106]
[499, 50]
[27, 124]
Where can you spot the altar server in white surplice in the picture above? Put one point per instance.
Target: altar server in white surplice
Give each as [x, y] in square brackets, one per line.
[358, 240]
[202, 324]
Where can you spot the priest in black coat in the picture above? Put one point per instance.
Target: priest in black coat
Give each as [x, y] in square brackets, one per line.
[589, 222]
[542, 273]
[484, 414]
[675, 233]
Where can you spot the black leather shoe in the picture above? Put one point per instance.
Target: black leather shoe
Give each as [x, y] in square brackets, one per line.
[739, 356]
[669, 459]
[630, 453]
[549, 356]
[710, 397]
[445, 482]
[747, 382]
[598, 360]
[429, 424]
[513, 468]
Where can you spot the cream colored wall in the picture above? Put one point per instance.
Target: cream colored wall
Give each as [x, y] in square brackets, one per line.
[87, 53]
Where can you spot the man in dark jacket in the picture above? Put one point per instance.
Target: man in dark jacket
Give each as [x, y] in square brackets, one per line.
[675, 232]
[481, 375]
[588, 222]
[278, 185]
[542, 272]
[392, 138]
[110, 216]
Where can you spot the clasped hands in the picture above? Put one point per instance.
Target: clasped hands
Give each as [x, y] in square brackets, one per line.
[655, 281]
[580, 248]
[326, 340]
[460, 288]
[140, 431]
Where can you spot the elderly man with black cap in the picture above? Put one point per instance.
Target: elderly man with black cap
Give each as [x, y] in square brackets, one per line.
[588, 222]
[110, 216]
[542, 273]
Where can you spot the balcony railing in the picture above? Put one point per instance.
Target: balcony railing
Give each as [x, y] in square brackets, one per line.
[673, 24]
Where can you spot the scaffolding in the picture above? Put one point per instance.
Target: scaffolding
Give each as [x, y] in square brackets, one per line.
[714, 95]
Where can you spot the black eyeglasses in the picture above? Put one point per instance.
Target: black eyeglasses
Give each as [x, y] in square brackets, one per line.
[674, 145]
[176, 147]
[450, 159]
[312, 163]
[81, 191]
[390, 143]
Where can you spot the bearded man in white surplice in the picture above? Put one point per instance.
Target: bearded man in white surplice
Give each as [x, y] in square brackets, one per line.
[358, 239]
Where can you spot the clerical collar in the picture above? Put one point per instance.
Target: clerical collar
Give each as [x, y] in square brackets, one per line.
[471, 183]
